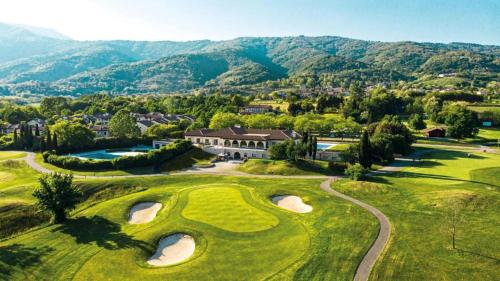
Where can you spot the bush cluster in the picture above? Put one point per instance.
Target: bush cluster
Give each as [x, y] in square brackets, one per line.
[152, 158]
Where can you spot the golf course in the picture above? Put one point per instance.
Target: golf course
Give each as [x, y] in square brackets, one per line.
[235, 228]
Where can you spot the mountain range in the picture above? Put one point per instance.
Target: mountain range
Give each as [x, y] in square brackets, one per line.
[40, 61]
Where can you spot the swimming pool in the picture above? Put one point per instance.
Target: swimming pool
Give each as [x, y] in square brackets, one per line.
[108, 154]
[325, 146]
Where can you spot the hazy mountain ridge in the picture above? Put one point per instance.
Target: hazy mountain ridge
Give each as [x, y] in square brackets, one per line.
[73, 67]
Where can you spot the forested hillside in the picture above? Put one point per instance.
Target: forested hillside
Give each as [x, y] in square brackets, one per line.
[32, 63]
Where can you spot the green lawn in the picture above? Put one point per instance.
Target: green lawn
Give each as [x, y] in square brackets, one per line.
[7, 155]
[17, 180]
[239, 234]
[195, 156]
[484, 108]
[285, 168]
[340, 147]
[415, 201]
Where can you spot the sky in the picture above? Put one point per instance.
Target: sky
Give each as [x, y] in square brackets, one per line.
[475, 21]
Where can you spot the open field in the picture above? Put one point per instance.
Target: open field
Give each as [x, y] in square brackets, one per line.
[415, 200]
[7, 155]
[283, 105]
[239, 234]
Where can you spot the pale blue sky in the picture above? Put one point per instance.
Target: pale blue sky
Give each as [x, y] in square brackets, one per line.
[475, 21]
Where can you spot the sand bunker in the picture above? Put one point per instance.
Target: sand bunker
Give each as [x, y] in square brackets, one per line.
[173, 249]
[143, 212]
[292, 203]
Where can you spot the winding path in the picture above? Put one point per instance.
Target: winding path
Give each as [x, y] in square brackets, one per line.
[366, 265]
[364, 268]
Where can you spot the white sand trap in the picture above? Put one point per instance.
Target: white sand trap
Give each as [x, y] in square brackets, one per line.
[143, 212]
[173, 249]
[292, 203]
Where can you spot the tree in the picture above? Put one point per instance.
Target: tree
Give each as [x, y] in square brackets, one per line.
[224, 119]
[37, 130]
[315, 147]
[454, 218]
[278, 151]
[365, 151]
[55, 144]
[16, 138]
[48, 143]
[72, 135]
[460, 121]
[351, 154]
[124, 125]
[57, 194]
[356, 172]
[162, 130]
[416, 122]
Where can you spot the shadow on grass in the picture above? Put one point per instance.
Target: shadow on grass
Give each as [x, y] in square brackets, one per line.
[462, 251]
[103, 232]
[404, 174]
[20, 257]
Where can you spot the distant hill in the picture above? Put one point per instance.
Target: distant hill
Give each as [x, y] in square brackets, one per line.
[43, 62]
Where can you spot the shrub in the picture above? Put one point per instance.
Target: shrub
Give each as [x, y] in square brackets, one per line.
[356, 172]
[152, 158]
[337, 167]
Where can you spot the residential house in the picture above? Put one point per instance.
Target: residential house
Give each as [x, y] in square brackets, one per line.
[144, 125]
[101, 131]
[435, 132]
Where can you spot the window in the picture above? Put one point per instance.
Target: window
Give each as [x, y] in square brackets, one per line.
[207, 141]
[227, 143]
[198, 141]
[260, 145]
[215, 142]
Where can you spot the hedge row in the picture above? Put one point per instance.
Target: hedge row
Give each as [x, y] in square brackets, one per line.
[153, 158]
[108, 143]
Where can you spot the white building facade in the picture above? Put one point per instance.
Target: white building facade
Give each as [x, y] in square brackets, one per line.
[238, 143]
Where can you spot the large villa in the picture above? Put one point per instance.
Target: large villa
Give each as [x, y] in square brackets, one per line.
[237, 142]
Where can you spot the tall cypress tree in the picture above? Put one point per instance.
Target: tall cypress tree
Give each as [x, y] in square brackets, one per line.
[42, 145]
[48, 143]
[310, 144]
[315, 147]
[365, 151]
[29, 136]
[16, 139]
[54, 142]
[37, 130]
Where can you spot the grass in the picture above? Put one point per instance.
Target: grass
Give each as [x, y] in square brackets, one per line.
[195, 156]
[340, 147]
[285, 168]
[97, 243]
[282, 105]
[415, 201]
[9, 155]
[484, 108]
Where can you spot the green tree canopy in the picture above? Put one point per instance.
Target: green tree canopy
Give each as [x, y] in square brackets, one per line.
[124, 125]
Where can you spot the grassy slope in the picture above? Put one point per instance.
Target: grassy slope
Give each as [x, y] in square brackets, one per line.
[415, 200]
[17, 181]
[98, 243]
[7, 155]
[195, 156]
[280, 167]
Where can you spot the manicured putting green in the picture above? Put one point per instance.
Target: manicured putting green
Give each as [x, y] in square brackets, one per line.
[226, 208]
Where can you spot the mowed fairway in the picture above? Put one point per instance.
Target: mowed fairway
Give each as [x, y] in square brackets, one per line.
[416, 201]
[17, 181]
[239, 234]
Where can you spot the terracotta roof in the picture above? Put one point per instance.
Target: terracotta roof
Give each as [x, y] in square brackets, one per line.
[245, 134]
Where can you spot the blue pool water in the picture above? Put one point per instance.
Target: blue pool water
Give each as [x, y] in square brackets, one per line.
[107, 154]
[324, 145]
